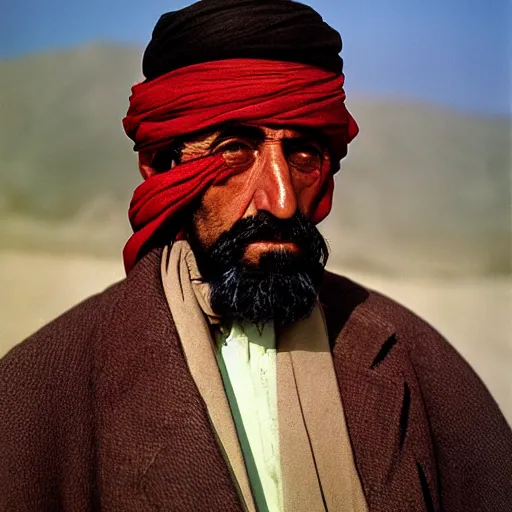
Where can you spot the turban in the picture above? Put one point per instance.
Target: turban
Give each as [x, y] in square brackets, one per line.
[213, 30]
[221, 61]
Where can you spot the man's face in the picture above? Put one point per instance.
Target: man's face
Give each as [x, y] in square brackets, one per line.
[277, 171]
[251, 234]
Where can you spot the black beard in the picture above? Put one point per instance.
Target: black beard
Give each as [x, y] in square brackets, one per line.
[282, 287]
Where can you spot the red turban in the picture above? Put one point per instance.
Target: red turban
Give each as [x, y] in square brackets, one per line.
[252, 91]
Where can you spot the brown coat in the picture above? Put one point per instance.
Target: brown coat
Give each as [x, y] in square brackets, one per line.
[98, 411]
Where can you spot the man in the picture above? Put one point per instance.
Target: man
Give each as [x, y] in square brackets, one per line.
[229, 371]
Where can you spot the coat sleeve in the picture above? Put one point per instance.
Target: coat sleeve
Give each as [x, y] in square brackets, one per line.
[46, 420]
[473, 442]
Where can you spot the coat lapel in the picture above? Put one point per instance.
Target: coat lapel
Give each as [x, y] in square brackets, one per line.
[382, 401]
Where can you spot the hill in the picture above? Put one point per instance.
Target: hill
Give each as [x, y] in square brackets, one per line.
[423, 191]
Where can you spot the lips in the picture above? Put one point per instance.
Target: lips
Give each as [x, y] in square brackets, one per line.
[273, 244]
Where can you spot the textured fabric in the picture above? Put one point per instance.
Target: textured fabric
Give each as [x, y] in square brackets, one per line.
[183, 290]
[255, 91]
[308, 426]
[98, 410]
[247, 362]
[305, 367]
[227, 29]
[206, 95]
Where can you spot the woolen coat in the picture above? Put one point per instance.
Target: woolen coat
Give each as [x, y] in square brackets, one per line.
[98, 411]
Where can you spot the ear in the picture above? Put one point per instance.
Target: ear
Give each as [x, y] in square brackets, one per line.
[145, 164]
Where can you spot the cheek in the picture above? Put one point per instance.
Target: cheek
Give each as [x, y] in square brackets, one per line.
[307, 187]
[221, 206]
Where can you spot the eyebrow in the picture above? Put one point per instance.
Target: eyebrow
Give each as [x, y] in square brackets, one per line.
[253, 132]
[238, 130]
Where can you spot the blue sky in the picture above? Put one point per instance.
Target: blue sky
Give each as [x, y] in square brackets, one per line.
[451, 52]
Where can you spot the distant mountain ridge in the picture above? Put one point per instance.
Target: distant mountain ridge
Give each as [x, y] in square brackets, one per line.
[424, 190]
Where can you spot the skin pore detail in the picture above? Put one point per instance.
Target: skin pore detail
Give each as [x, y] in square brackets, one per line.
[252, 234]
[197, 147]
[279, 172]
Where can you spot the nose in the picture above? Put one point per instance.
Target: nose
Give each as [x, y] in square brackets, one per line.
[274, 191]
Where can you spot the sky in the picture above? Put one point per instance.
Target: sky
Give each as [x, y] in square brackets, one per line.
[455, 53]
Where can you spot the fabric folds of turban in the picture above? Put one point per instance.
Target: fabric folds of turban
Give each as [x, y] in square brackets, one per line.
[211, 30]
[191, 89]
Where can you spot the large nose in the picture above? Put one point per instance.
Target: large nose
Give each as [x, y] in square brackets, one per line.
[274, 191]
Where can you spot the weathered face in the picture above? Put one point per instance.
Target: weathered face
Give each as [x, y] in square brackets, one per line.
[276, 170]
[252, 235]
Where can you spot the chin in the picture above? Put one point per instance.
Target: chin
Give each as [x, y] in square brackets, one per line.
[281, 288]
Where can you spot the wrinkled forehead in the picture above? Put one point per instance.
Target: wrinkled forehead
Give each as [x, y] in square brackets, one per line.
[254, 132]
[198, 143]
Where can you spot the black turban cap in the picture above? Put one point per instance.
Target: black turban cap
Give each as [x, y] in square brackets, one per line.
[211, 30]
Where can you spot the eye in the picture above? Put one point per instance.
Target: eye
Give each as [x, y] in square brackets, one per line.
[306, 157]
[236, 152]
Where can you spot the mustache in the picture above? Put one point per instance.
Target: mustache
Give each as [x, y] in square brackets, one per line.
[265, 227]
[281, 287]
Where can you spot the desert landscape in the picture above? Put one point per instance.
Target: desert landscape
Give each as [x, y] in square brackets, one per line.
[473, 313]
[421, 213]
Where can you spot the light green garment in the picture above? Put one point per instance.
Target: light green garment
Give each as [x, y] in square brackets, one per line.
[247, 361]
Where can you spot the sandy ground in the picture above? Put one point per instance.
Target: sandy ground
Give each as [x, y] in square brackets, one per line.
[474, 314]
